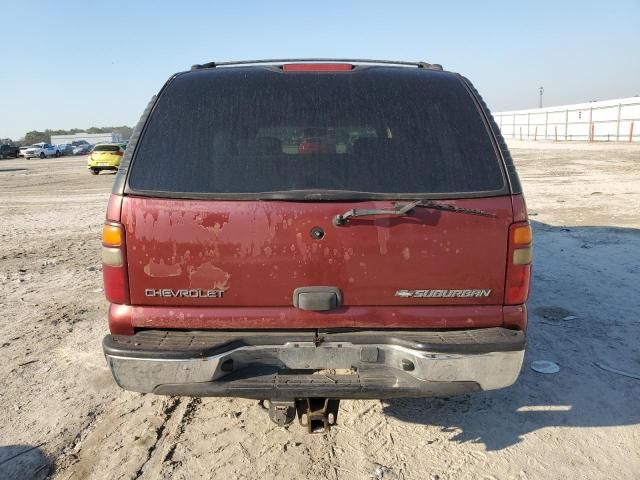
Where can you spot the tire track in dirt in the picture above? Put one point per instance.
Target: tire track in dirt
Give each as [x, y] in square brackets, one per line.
[136, 439]
[119, 441]
[187, 417]
[167, 413]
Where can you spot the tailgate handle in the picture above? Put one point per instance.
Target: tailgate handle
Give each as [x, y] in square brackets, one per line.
[317, 299]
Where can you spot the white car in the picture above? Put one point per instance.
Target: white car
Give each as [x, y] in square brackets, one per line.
[41, 150]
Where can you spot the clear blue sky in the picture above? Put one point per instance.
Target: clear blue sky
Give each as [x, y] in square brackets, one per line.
[79, 64]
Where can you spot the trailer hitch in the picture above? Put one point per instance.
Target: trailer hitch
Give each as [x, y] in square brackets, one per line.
[317, 414]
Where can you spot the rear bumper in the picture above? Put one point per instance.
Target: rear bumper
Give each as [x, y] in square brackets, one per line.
[288, 365]
[102, 167]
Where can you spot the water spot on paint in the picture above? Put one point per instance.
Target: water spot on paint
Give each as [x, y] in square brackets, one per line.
[161, 269]
[383, 239]
[209, 276]
[406, 253]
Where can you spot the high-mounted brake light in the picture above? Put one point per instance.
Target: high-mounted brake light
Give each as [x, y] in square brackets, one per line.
[317, 67]
[519, 267]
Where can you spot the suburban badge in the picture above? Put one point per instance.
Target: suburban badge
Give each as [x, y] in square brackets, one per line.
[484, 292]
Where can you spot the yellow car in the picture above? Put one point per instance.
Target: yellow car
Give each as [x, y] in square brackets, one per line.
[105, 156]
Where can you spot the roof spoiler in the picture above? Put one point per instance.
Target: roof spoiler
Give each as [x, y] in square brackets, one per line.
[430, 66]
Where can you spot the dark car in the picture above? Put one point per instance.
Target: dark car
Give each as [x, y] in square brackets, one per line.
[82, 149]
[9, 151]
[65, 149]
[397, 265]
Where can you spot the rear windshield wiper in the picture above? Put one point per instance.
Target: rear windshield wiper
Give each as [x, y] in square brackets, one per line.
[406, 209]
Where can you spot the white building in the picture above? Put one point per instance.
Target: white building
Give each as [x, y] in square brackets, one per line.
[608, 120]
[91, 138]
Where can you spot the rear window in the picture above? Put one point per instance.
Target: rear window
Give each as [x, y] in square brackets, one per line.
[106, 148]
[386, 131]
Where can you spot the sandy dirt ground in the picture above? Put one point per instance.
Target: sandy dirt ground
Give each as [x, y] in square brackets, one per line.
[63, 417]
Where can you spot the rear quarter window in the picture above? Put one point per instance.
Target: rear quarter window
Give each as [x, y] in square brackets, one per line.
[386, 131]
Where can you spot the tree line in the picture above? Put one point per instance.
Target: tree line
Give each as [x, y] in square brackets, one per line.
[36, 136]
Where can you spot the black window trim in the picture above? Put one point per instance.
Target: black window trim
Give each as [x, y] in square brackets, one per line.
[122, 187]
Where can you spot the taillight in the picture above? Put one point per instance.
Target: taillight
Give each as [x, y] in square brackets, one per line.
[114, 262]
[114, 271]
[119, 153]
[519, 263]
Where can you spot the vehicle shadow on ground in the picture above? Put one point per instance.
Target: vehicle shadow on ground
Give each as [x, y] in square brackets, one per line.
[583, 309]
[24, 462]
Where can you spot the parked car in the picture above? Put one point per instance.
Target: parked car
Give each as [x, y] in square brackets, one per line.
[396, 267]
[8, 151]
[22, 151]
[65, 149]
[105, 156]
[41, 150]
[82, 149]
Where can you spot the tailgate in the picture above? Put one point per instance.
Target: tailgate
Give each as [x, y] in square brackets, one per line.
[256, 253]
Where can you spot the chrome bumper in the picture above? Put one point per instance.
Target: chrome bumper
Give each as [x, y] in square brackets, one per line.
[340, 369]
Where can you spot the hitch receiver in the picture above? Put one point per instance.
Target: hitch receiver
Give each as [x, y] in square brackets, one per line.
[317, 414]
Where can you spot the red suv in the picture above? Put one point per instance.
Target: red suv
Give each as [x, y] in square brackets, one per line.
[238, 262]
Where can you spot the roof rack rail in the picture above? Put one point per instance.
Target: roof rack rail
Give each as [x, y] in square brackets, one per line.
[430, 66]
